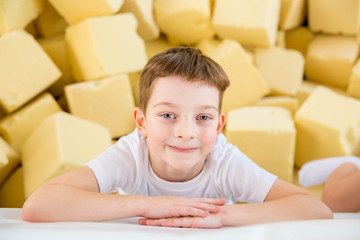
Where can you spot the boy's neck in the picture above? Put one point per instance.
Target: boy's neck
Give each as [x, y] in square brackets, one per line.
[172, 175]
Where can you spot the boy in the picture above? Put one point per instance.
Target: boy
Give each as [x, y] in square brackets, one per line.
[176, 167]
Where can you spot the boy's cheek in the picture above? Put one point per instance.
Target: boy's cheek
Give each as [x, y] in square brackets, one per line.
[159, 134]
[209, 138]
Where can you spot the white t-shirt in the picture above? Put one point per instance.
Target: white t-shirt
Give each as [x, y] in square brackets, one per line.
[227, 173]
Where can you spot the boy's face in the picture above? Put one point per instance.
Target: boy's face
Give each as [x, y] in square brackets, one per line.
[182, 122]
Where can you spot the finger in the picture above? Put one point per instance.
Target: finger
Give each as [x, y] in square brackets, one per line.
[150, 222]
[204, 206]
[180, 222]
[142, 221]
[192, 211]
[214, 201]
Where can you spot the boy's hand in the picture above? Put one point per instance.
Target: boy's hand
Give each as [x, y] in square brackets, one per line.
[168, 207]
[211, 221]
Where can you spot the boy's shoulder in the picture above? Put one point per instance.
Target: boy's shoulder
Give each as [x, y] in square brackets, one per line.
[132, 144]
[132, 138]
[222, 145]
[225, 153]
[222, 149]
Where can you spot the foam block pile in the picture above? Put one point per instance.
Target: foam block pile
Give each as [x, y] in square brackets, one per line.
[69, 73]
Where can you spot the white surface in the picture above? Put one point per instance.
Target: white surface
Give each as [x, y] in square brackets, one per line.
[344, 226]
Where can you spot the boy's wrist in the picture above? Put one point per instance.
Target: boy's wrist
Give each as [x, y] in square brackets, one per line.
[143, 205]
[136, 205]
[224, 216]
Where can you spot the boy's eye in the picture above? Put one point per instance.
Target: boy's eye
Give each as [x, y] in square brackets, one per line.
[204, 117]
[168, 116]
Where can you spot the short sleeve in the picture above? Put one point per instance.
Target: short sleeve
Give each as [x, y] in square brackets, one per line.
[117, 166]
[239, 176]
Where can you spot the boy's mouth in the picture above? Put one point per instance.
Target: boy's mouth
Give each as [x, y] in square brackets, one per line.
[183, 149]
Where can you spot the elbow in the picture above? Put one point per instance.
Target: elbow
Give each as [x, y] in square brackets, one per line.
[28, 212]
[326, 213]
[319, 209]
[31, 212]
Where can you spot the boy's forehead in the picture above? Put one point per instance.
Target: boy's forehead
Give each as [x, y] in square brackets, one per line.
[174, 87]
[178, 81]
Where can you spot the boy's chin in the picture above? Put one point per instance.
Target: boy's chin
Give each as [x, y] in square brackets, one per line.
[186, 164]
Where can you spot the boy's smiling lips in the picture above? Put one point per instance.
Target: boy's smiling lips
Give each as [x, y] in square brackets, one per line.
[182, 149]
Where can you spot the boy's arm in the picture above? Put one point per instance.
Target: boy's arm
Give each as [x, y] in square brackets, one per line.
[75, 196]
[285, 202]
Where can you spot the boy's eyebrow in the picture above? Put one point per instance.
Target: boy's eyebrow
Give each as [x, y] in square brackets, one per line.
[169, 104]
[209, 106]
[165, 103]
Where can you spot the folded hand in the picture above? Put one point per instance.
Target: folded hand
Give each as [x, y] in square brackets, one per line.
[211, 221]
[169, 207]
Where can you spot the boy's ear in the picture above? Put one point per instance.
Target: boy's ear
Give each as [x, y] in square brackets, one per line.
[140, 122]
[221, 123]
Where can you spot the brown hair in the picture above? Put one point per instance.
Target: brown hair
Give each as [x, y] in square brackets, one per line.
[186, 62]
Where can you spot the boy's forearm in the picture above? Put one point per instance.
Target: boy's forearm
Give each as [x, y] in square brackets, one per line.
[296, 207]
[61, 202]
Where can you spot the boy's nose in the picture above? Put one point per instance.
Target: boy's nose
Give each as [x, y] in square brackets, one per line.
[185, 129]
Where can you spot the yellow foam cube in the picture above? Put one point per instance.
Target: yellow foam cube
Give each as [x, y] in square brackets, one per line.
[143, 11]
[16, 14]
[249, 22]
[55, 47]
[292, 14]
[108, 101]
[328, 125]
[3, 159]
[79, 10]
[50, 23]
[156, 46]
[9, 160]
[308, 86]
[354, 81]
[329, 59]
[134, 79]
[266, 135]
[282, 69]
[2, 113]
[280, 39]
[305, 89]
[12, 191]
[334, 16]
[208, 45]
[62, 103]
[32, 29]
[186, 21]
[25, 69]
[246, 84]
[103, 46]
[18, 126]
[62, 142]
[289, 103]
[298, 39]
